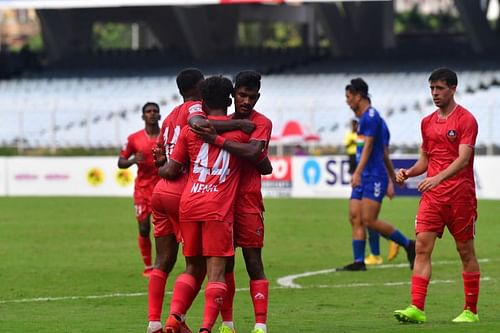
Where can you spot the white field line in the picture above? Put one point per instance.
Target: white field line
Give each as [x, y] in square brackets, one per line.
[288, 281]
[284, 283]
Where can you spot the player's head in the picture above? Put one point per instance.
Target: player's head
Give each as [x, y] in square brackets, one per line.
[188, 81]
[216, 93]
[356, 94]
[443, 84]
[246, 91]
[151, 113]
[354, 125]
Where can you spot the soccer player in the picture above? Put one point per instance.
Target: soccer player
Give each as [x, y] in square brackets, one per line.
[138, 150]
[448, 195]
[369, 180]
[206, 207]
[249, 218]
[350, 145]
[167, 192]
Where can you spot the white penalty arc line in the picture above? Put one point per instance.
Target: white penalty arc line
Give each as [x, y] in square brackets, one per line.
[289, 280]
[332, 286]
[284, 283]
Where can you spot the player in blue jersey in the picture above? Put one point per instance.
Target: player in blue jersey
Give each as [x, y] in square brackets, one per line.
[370, 179]
[374, 257]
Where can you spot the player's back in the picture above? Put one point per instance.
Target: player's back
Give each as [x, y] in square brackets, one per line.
[371, 125]
[169, 134]
[214, 175]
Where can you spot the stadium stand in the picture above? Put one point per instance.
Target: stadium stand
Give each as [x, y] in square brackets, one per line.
[101, 111]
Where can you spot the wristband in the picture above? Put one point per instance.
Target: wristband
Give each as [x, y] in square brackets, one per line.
[219, 141]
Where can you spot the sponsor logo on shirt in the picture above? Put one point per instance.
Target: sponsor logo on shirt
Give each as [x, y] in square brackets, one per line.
[203, 188]
[451, 135]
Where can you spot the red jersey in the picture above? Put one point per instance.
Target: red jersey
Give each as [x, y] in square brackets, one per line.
[169, 133]
[441, 139]
[250, 196]
[214, 174]
[147, 173]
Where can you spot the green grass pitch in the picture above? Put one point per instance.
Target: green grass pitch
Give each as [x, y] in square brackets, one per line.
[72, 265]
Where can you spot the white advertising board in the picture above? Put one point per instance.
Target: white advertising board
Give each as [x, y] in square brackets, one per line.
[3, 176]
[80, 176]
[320, 177]
[486, 170]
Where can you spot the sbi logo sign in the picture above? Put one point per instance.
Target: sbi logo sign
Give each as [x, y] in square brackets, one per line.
[311, 172]
[329, 172]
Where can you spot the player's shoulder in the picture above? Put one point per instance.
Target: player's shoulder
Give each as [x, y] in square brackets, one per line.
[260, 116]
[465, 114]
[136, 135]
[192, 107]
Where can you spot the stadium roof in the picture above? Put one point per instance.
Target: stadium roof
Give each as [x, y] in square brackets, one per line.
[59, 4]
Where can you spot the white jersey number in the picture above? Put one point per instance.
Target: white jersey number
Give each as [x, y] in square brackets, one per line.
[220, 167]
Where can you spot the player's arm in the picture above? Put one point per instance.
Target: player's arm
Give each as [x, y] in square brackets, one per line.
[221, 126]
[170, 170]
[264, 166]
[417, 169]
[464, 156]
[363, 160]
[388, 165]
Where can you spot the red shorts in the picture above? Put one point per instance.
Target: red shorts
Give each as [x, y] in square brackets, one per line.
[166, 214]
[459, 219]
[208, 239]
[249, 230]
[142, 204]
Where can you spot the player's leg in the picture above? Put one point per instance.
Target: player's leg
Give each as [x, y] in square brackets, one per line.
[374, 257]
[259, 287]
[463, 230]
[421, 275]
[186, 284]
[358, 232]
[216, 254]
[165, 218]
[144, 241]
[226, 310]
[249, 235]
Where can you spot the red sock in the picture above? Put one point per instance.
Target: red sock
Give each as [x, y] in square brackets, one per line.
[214, 297]
[259, 290]
[183, 295]
[156, 291]
[471, 290]
[199, 283]
[419, 290]
[145, 248]
[226, 309]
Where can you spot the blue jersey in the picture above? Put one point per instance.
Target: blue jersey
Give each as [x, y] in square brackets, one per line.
[387, 134]
[371, 124]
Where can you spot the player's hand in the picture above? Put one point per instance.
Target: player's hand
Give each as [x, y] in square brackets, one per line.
[206, 133]
[246, 125]
[390, 193]
[139, 157]
[428, 183]
[401, 176]
[159, 154]
[355, 180]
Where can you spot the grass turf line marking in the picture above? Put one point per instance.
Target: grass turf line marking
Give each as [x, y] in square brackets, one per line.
[288, 281]
[284, 283]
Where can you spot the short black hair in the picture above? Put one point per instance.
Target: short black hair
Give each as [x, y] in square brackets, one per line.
[216, 92]
[358, 86]
[187, 79]
[444, 74]
[148, 104]
[249, 79]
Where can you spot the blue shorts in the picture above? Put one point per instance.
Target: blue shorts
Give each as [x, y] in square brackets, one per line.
[371, 188]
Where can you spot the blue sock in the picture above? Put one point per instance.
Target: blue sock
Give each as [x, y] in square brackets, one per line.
[399, 238]
[374, 241]
[358, 248]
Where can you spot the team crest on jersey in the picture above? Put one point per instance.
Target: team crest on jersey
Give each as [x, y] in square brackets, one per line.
[451, 135]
